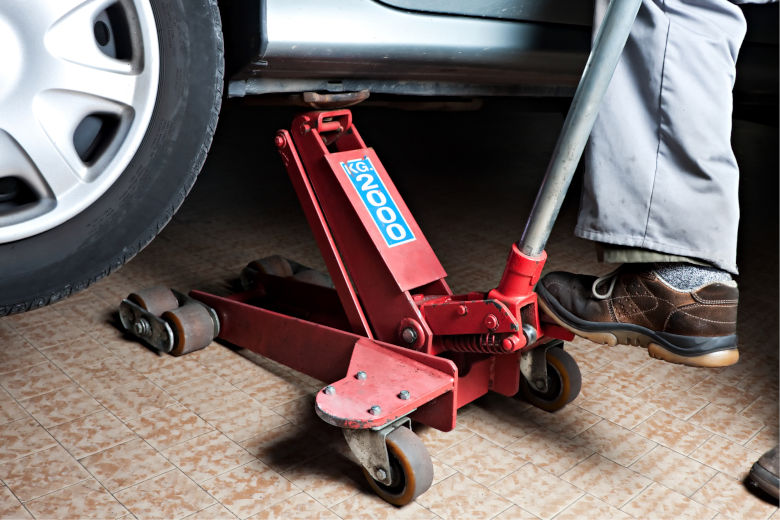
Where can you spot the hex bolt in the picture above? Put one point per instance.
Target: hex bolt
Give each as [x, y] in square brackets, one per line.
[329, 390]
[409, 335]
[361, 376]
[491, 321]
[280, 141]
[381, 474]
[142, 327]
[375, 410]
[462, 310]
[404, 395]
[539, 383]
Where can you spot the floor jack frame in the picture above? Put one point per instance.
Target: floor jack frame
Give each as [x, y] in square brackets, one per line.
[385, 330]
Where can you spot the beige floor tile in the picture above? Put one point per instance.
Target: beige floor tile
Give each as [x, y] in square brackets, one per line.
[104, 376]
[92, 434]
[126, 464]
[726, 456]
[41, 473]
[134, 399]
[437, 441]
[481, 460]
[591, 507]
[497, 426]
[23, 437]
[86, 499]
[56, 330]
[369, 505]
[206, 394]
[679, 377]
[285, 446]
[658, 501]
[673, 470]
[34, 380]
[60, 406]
[81, 351]
[19, 355]
[140, 357]
[249, 489]
[207, 456]
[9, 409]
[672, 432]
[622, 378]
[537, 491]
[10, 507]
[176, 372]
[273, 389]
[299, 411]
[515, 513]
[731, 498]
[724, 422]
[615, 442]
[235, 369]
[441, 470]
[568, 421]
[669, 398]
[765, 440]
[764, 409]
[730, 397]
[169, 496]
[618, 408]
[551, 452]
[169, 426]
[214, 512]
[241, 420]
[606, 480]
[458, 497]
[330, 478]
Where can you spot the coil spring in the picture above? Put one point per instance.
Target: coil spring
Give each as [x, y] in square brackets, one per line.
[476, 343]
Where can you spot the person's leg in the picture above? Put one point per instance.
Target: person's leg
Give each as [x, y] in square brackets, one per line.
[660, 186]
[660, 172]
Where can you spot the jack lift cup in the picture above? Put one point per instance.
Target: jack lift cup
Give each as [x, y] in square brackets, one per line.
[384, 328]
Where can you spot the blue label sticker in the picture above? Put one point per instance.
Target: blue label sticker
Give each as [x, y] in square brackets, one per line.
[378, 202]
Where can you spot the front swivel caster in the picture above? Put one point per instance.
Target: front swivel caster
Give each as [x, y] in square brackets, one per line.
[395, 462]
[168, 321]
[561, 384]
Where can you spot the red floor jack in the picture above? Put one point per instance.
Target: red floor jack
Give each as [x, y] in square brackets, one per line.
[385, 329]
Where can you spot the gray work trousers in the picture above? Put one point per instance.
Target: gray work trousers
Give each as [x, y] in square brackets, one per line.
[660, 172]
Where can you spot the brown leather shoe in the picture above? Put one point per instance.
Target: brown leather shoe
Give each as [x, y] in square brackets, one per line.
[633, 306]
[764, 473]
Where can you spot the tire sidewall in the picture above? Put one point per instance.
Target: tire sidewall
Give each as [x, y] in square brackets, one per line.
[50, 266]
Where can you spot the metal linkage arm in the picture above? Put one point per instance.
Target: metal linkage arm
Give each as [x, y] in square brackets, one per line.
[607, 48]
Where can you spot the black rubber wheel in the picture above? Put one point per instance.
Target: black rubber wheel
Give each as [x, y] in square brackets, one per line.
[411, 468]
[58, 262]
[564, 382]
[156, 300]
[192, 326]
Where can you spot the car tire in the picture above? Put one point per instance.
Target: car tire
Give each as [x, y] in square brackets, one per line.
[52, 264]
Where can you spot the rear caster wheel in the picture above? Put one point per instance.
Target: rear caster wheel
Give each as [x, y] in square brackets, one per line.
[156, 299]
[564, 382]
[193, 328]
[410, 466]
[272, 265]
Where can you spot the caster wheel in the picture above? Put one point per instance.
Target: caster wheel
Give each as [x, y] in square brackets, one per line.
[563, 382]
[156, 300]
[411, 468]
[273, 265]
[193, 328]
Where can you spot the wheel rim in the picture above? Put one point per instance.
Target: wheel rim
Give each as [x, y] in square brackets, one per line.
[78, 84]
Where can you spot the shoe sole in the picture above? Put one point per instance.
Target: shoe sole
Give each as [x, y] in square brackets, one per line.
[764, 479]
[612, 337]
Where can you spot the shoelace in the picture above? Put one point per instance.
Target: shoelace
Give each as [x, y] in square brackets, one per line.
[612, 277]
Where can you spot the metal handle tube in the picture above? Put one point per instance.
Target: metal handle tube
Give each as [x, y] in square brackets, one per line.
[607, 48]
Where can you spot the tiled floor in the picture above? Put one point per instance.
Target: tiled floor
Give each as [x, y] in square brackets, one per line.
[95, 425]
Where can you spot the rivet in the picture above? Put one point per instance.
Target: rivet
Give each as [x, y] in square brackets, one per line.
[329, 390]
[404, 395]
[375, 410]
[361, 376]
